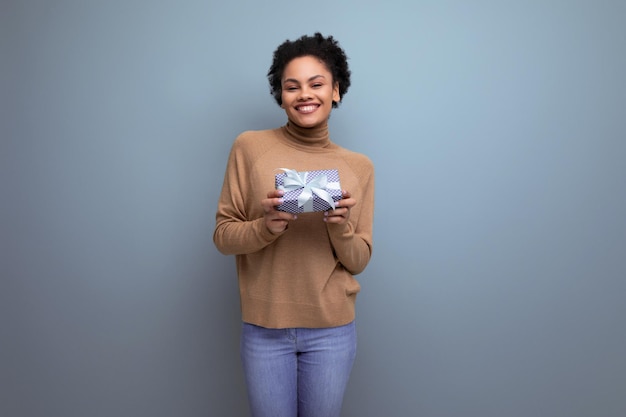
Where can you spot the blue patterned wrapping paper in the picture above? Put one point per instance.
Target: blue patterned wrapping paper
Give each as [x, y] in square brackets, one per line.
[293, 193]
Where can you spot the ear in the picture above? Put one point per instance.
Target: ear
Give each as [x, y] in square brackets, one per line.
[336, 95]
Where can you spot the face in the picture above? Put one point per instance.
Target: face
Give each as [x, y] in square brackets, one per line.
[308, 91]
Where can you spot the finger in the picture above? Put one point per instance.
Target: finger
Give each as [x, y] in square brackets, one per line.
[280, 215]
[270, 204]
[346, 199]
[337, 215]
[346, 203]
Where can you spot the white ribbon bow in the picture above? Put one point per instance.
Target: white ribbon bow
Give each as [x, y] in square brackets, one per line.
[295, 180]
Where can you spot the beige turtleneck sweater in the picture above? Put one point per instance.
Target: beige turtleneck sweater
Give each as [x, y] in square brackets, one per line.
[302, 277]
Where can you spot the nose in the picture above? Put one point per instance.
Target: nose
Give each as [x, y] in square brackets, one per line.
[305, 94]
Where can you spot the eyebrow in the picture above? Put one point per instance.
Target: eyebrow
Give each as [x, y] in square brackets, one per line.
[293, 80]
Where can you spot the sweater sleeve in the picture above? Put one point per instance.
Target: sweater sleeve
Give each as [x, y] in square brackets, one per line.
[238, 228]
[352, 241]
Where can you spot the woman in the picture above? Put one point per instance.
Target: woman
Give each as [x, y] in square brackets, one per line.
[296, 271]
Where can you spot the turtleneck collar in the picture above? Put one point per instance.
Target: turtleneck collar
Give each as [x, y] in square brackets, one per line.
[316, 136]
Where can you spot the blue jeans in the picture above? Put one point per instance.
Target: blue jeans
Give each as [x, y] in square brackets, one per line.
[297, 372]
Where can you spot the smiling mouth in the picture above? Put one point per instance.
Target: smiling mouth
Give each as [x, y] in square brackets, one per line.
[309, 108]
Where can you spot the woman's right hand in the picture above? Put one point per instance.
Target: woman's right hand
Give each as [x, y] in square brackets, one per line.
[276, 221]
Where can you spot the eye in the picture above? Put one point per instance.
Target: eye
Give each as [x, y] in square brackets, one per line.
[317, 85]
[291, 88]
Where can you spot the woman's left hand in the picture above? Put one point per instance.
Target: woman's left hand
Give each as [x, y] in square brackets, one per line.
[341, 213]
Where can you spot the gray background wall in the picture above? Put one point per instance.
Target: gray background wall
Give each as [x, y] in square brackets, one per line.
[498, 130]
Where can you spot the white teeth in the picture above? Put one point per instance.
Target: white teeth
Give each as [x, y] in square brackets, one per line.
[306, 109]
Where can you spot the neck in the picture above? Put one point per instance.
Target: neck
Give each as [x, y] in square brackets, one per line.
[314, 136]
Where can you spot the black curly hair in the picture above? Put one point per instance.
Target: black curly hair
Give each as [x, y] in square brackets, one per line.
[326, 49]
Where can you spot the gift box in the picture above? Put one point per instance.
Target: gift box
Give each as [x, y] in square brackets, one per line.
[308, 191]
